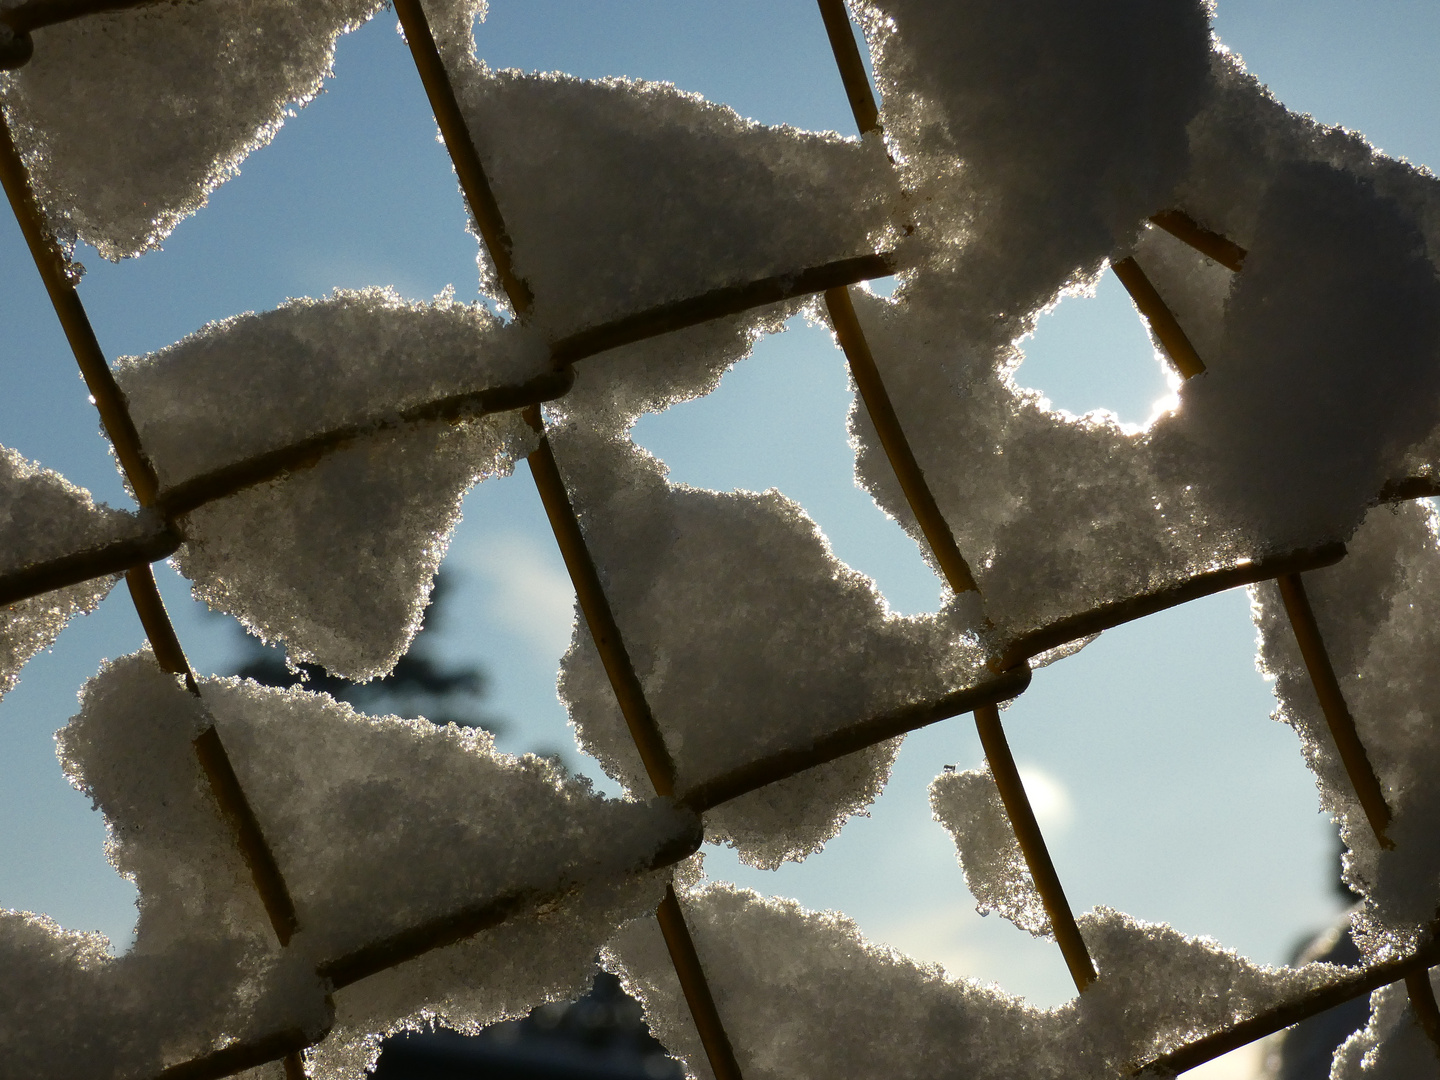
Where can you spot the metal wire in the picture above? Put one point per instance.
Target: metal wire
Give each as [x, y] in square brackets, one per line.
[1220, 248]
[463, 154]
[599, 618]
[987, 718]
[727, 300]
[851, 738]
[249, 837]
[1073, 628]
[852, 68]
[1162, 320]
[1422, 1001]
[1303, 1006]
[939, 536]
[1356, 762]
[696, 988]
[191, 494]
[54, 270]
[1032, 846]
[897, 447]
[1332, 704]
[237, 1057]
[394, 949]
[35, 14]
[120, 429]
[81, 566]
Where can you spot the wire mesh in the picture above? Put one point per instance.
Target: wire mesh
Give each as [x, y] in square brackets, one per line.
[1009, 661]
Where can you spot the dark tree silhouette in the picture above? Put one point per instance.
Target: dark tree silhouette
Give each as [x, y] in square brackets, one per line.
[602, 1036]
[420, 685]
[1305, 1051]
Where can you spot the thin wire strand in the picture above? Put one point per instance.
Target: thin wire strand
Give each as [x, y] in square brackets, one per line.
[599, 618]
[1162, 320]
[852, 738]
[934, 527]
[155, 621]
[81, 566]
[1108, 616]
[1278, 1018]
[1032, 846]
[35, 14]
[224, 784]
[1422, 1000]
[476, 186]
[1292, 590]
[191, 494]
[1186, 229]
[1332, 704]
[461, 145]
[937, 532]
[644, 731]
[852, 67]
[720, 302]
[197, 491]
[237, 1057]
[1356, 761]
[54, 270]
[418, 939]
[115, 417]
[249, 837]
[895, 444]
[1297, 605]
[696, 987]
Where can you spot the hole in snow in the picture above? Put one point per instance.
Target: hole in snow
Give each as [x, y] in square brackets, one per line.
[1093, 352]
[778, 420]
[884, 286]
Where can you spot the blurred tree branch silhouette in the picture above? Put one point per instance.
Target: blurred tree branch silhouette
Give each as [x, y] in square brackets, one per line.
[422, 684]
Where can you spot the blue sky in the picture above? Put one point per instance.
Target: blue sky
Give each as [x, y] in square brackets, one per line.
[1163, 786]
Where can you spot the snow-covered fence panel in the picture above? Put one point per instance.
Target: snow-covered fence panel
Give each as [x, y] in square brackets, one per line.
[312, 879]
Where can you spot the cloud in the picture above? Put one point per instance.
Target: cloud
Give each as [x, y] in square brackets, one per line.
[942, 935]
[988, 950]
[528, 590]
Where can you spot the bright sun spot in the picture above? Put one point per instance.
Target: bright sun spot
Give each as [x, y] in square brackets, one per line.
[1048, 798]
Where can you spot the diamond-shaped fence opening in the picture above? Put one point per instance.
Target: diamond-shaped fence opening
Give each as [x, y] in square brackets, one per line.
[740, 682]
